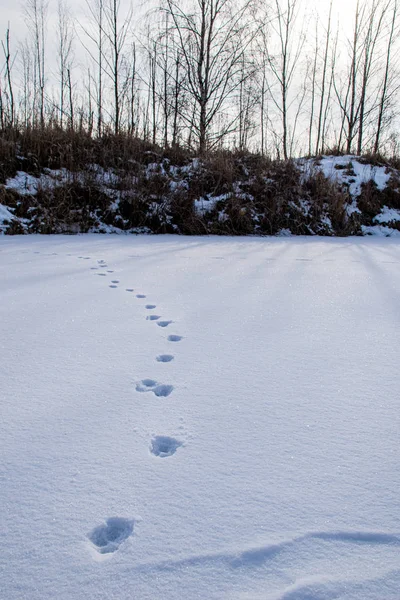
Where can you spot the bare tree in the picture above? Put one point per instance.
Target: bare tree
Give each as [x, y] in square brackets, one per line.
[374, 25]
[386, 93]
[283, 65]
[8, 67]
[132, 92]
[328, 110]
[36, 17]
[313, 88]
[323, 80]
[95, 34]
[212, 39]
[115, 31]
[25, 60]
[65, 35]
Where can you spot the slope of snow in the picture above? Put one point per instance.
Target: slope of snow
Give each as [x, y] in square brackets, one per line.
[380, 230]
[349, 169]
[28, 185]
[199, 418]
[5, 216]
[387, 215]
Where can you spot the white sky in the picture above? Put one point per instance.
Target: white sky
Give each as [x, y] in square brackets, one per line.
[11, 11]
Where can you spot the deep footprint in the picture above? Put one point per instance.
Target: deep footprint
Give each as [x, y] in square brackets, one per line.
[108, 537]
[174, 338]
[101, 274]
[150, 306]
[165, 358]
[164, 446]
[114, 280]
[140, 296]
[164, 323]
[153, 318]
[159, 389]
[162, 391]
[129, 290]
[113, 286]
[149, 382]
[146, 385]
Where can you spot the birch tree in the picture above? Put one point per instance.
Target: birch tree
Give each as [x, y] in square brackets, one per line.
[212, 38]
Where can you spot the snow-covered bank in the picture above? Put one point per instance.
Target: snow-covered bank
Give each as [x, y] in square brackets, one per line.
[199, 418]
[328, 195]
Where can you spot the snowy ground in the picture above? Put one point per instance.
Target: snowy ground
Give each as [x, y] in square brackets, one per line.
[253, 455]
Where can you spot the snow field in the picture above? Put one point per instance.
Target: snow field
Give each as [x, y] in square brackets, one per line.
[199, 418]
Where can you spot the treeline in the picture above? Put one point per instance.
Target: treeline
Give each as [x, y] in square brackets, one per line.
[271, 77]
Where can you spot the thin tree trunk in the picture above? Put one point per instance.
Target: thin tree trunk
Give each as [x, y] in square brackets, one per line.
[323, 83]
[71, 102]
[7, 54]
[383, 98]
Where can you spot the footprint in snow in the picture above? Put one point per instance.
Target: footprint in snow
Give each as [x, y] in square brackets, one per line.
[150, 306]
[174, 338]
[108, 537]
[164, 323]
[129, 290]
[146, 385]
[114, 280]
[113, 286]
[101, 274]
[164, 358]
[164, 446]
[159, 389]
[110, 271]
[94, 268]
[162, 390]
[153, 318]
[140, 296]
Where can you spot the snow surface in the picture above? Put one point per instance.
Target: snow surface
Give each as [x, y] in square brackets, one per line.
[5, 216]
[29, 185]
[204, 205]
[199, 418]
[387, 215]
[380, 230]
[362, 172]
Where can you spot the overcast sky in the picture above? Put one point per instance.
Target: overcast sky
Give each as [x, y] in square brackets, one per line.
[11, 11]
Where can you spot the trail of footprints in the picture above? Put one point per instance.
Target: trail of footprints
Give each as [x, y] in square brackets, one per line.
[109, 536]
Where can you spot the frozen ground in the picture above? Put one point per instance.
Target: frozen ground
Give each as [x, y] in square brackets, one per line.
[252, 455]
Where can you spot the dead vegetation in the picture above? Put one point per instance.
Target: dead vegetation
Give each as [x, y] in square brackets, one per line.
[120, 183]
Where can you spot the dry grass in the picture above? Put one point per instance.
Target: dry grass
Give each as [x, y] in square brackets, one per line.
[257, 195]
